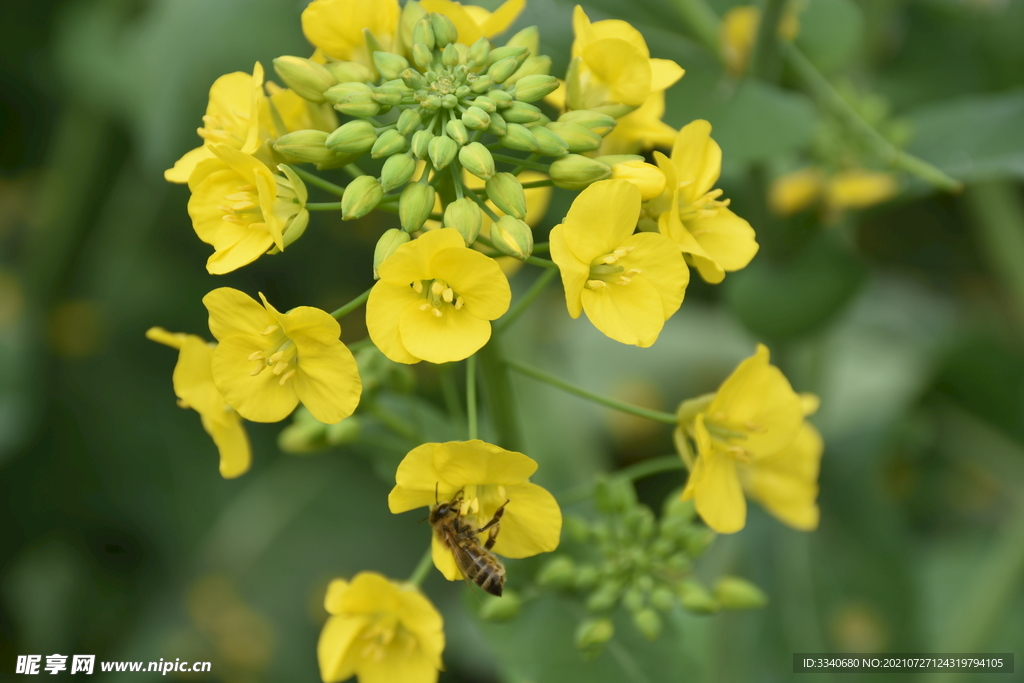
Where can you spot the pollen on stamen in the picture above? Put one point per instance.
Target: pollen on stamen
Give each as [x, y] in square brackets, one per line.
[596, 284]
[286, 376]
[258, 370]
[417, 287]
[232, 218]
[448, 295]
[459, 303]
[255, 355]
[436, 311]
[632, 272]
[425, 306]
[436, 288]
[237, 197]
[280, 368]
[623, 280]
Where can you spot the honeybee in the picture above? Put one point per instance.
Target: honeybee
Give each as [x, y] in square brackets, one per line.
[475, 560]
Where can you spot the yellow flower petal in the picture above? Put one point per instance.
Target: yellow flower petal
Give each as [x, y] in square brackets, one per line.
[503, 17]
[726, 238]
[601, 218]
[859, 189]
[444, 560]
[786, 483]
[476, 278]
[235, 313]
[664, 74]
[718, 497]
[335, 590]
[574, 272]
[698, 160]
[662, 265]
[336, 26]
[184, 166]
[795, 191]
[232, 443]
[193, 379]
[631, 314]
[327, 379]
[411, 261]
[336, 648]
[455, 335]
[531, 524]
[384, 310]
[260, 398]
[622, 67]
[413, 666]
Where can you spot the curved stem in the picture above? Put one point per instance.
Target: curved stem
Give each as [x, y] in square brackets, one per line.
[542, 247]
[422, 568]
[352, 305]
[323, 206]
[471, 396]
[542, 262]
[538, 183]
[525, 163]
[483, 206]
[317, 181]
[656, 415]
[532, 293]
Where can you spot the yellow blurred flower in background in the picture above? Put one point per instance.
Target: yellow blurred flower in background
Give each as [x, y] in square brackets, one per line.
[473, 22]
[195, 389]
[850, 189]
[380, 631]
[738, 34]
[487, 476]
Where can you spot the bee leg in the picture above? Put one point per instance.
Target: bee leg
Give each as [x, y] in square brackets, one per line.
[494, 525]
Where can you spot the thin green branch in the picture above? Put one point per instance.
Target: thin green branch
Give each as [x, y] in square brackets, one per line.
[352, 305]
[542, 262]
[483, 206]
[422, 568]
[538, 183]
[538, 286]
[541, 248]
[702, 21]
[317, 181]
[540, 375]
[323, 206]
[525, 163]
[471, 396]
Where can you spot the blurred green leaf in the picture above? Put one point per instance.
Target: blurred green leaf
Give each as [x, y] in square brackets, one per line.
[831, 33]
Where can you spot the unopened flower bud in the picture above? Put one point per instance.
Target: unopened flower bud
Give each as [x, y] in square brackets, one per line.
[733, 592]
[521, 112]
[517, 53]
[485, 103]
[390, 142]
[613, 495]
[350, 72]
[304, 435]
[575, 172]
[513, 237]
[587, 577]
[361, 196]
[634, 599]
[548, 143]
[476, 118]
[413, 79]
[507, 194]
[647, 177]
[445, 32]
[424, 33]
[415, 205]
[354, 137]
[343, 432]
[422, 56]
[457, 130]
[479, 50]
[397, 171]
[465, 216]
[387, 244]
[408, 121]
[305, 146]
[602, 124]
[531, 88]
[498, 126]
[449, 101]
[354, 99]
[504, 608]
[477, 159]
[389, 95]
[442, 150]
[390, 65]
[593, 633]
[698, 540]
[531, 67]
[529, 38]
[503, 68]
[421, 142]
[648, 623]
[450, 55]
[501, 98]
[482, 84]
[305, 77]
[695, 598]
[518, 136]
[662, 599]
[577, 138]
[560, 572]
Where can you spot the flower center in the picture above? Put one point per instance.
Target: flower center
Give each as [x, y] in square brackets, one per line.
[281, 358]
[442, 81]
[606, 270]
[218, 128]
[705, 206]
[730, 434]
[477, 497]
[242, 207]
[439, 296]
[378, 637]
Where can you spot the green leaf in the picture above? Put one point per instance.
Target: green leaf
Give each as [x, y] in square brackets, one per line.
[831, 31]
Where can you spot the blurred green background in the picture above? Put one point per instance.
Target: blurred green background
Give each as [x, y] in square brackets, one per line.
[119, 538]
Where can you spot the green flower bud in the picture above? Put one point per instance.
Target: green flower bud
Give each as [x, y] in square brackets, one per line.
[485, 103]
[517, 53]
[390, 142]
[304, 435]
[733, 592]
[504, 608]
[457, 130]
[355, 137]
[576, 528]
[297, 225]
[616, 159]
[594, 633]
[559, 572]
[481, 84]
[577, 138]
[648, 623]
[698, 541]
[343, 432]
[390, 65]
[423, 32]
[679, 563]
[421, 143]
[442, 150]
[587, 577]
[465, 216]
[677, 507]
[445, 32]
[361, 197]
[612, 495]
[641, 522]
[501, 98]
[397, 171]
[449, 101]
[529, 38]
[476, 118]
[602, 124]
[462, 91]
[533, 87]
[387, 244]
[450, 55]
[477, 159]
[344, 93]
[305, 146]
[305, 77]
[479, 50]
[605, 597]
[507, 194]
[415, 205]
[533, 66]
[408, 121]
[575, 172]
[503, 68]
[521, 112]
[662, 599]
[389, 95]
[634, 599]
[616, 111]
[663, 547]
[548, 143]
[422, 55]
[512, 236]
[518, 136]
[413, 79]
[695, 598]
[498, 126]
[350, 72]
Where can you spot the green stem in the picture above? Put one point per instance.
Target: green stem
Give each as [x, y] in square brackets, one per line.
[529, 160]
[422, 568]
[363, 343]
[393, 423]
[523, 303]
[471, 396]
[542, 376]
[317, 181]
[542, 248]
[766, 62]
[457, 180]
[542, 262]
[497, 385]
[702, 22]
[450, 392]
[525, 163]
[829, 97]
[323, 206]
[352, 305]
[353, 170]
[538, 183]
[482, 204]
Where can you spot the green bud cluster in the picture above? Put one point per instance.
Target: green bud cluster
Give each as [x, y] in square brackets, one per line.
[642, 563]
[307, 435]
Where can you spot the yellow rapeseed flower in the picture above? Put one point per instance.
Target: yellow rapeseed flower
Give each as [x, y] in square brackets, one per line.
[641, 130]
[752, 424]
[435, 300]
[194, 387]
[474, 23]
[690, 212]
[380, 631]
[336, 27]
[628, 284]
[487, 476]
[738, 33]
[243, 209]
[267, 361]
[850, 189]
